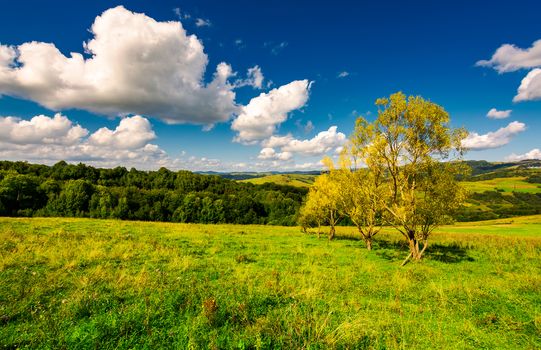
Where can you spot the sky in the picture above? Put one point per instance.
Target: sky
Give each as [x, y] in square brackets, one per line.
[257, 86]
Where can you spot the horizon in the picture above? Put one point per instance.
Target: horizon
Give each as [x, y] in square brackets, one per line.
[235, 92]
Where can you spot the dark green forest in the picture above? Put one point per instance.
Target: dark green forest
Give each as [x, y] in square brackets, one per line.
[70, 190]
[163, 195]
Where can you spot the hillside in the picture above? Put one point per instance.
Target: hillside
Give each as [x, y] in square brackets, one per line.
[86, 283]
[297, 180]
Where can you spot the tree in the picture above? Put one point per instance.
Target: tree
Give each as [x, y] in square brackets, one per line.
[313, 211]
[322, 202]
[409, 140]
[362, 194]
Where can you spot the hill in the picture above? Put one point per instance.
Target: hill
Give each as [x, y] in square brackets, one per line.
[297, 180]
[86, 283]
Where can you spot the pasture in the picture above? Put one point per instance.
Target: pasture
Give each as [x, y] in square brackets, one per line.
[84, 283]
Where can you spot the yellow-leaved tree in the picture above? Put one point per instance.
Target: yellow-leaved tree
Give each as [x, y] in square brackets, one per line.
[413, 144]
[321, 204]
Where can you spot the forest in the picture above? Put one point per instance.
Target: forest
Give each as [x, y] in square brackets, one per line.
[163, 195]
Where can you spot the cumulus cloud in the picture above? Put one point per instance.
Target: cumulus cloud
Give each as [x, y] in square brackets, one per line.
[258, 120]
[494, 139]
[530, 87]
[496, 114]
[509, 58]
[323, 142]
[533, 154]
[132, 132]
[50, 139]
[40, 130]
[137, 65]
[342, 74]
[270, 153]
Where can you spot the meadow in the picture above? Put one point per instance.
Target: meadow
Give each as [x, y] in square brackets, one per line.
[503, 184]
[86, 283]
[298, 180]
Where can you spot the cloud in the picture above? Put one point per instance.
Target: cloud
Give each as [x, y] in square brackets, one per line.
[309, 127]
[137, 65]
[40, 130]
[258, 120]
[254, 78]
[45, 139]
[277, 141]
[132, 132]
[323, 142]
[509, 58]
[200, 22]
[496, 114]
[342, 74]
[270, 153]
[533, 154]
[530, 87]
[494, 139]
[180, 14]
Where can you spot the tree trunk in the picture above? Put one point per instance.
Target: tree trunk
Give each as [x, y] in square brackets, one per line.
[413, 244]
[318, 231]
[368, 242]
[332, 231]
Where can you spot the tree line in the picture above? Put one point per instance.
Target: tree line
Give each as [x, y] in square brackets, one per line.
[163, 195]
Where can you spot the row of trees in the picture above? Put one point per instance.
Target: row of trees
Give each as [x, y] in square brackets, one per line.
[163, 195]
[400, 170]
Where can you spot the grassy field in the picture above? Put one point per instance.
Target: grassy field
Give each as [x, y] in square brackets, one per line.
[299, 180]
[82, 283]
[505, 184]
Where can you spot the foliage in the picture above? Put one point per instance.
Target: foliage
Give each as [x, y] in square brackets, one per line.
[411, 138]
[163, 195]
[322, 204]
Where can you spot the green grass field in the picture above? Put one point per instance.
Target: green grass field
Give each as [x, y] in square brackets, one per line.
[299, 180]
[505, 184]
[82, 283]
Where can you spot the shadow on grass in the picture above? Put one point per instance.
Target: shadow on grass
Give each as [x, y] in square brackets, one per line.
[397, 250]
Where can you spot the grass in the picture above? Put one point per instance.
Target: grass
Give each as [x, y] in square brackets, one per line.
[298, 180]
[82, 283]
[504, 184]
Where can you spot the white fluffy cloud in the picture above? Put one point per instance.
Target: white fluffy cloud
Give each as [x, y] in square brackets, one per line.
[494, 139]
[270, 153]
[50, 139]
[259, 119]
[324, 142]
[496, 114]
[320, 144]
[533, 154]
[40, 130]
[509, 58]
[136, 65]
[530, 87]
[131, 133]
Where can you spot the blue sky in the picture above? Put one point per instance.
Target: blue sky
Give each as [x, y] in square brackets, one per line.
[347, 54]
